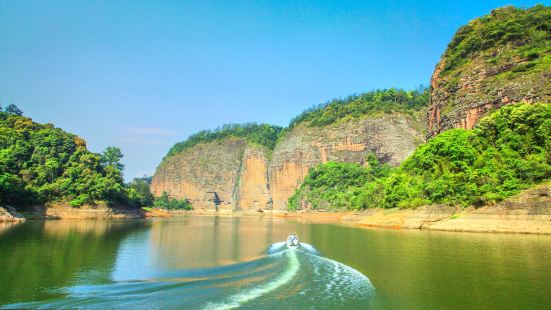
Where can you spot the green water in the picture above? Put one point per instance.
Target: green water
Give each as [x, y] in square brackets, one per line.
[220, 262]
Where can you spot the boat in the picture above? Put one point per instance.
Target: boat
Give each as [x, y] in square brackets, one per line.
[292, 241]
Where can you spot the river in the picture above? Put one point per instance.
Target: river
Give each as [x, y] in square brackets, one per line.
[202, 262]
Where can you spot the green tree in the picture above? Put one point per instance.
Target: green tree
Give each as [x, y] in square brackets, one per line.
[13, 109]
[139, 193]
[112, 156]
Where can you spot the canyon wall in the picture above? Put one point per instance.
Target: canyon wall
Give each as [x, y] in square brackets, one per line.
[233, 174]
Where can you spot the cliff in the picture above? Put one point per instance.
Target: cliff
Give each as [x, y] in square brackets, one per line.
[234, 174]
[498, 59]
[229, 174]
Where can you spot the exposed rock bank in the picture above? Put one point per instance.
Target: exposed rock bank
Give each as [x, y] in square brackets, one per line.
[9, 214]
[527, 212]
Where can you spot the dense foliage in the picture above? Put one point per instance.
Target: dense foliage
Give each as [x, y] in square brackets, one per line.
[508, 150]
[355, 106]
[336, 184]
[262, 134]
[139, 193]
[515, 32]
[168, 203]
[41, 163]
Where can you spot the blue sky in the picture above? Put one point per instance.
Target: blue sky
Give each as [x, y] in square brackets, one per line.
[142, 75]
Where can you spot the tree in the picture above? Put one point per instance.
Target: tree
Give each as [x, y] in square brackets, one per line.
[13, 109]
[112, 157]
[139, 193]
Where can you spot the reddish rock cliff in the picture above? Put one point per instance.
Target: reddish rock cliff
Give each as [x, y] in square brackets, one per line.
[499, 59]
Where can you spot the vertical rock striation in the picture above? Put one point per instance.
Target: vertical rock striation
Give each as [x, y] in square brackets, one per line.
[202, 174]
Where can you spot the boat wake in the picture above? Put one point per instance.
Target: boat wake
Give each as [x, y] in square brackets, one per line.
[284, 278]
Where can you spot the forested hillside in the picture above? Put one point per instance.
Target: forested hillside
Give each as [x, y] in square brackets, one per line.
[40, 163]
[355, 106]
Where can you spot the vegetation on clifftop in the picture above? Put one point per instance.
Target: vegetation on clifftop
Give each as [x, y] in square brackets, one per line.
[356, 106]
[504, 34]
[262, 134]
[509, 150]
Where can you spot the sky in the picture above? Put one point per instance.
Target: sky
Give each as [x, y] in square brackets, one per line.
[142, 75]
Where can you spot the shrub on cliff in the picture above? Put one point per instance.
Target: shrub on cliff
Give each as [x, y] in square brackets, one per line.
[168, 203]
[508, 151]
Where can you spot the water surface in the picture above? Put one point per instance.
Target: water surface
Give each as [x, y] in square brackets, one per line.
[222, 262]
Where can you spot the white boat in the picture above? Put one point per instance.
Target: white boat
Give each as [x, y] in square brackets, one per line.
[292, 241]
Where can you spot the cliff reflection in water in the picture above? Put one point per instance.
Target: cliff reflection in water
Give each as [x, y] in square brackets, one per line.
[212, 241]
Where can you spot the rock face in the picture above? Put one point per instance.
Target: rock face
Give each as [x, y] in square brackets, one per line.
[484, 69]
[232, 174]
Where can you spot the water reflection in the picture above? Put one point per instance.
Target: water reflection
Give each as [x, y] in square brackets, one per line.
[409, 269]
[39, 256]
[203, 242]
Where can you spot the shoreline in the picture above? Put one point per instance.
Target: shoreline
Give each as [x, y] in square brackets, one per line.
[435, 218]
[528, 212]
[493, 219]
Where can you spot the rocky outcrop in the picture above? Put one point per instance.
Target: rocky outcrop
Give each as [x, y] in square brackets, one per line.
[484, 69]
[233, 174]
[9, 214]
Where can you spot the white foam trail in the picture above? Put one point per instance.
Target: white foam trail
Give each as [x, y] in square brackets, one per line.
[309, 248]
[276, 247]
[240, 299]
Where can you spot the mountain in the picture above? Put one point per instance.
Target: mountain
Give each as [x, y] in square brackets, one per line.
[231, 171]
[369, 150]
[501, 58]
